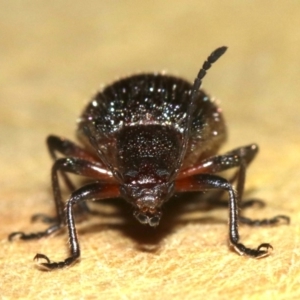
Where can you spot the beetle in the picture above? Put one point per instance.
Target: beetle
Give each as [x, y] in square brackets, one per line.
[145, 138]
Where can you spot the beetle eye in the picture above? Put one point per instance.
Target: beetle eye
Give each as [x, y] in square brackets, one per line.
[154, 221]
[143, 219]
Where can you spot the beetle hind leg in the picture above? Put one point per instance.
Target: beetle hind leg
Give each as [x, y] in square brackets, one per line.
[263, 222]
[249, 203]
[35, 235]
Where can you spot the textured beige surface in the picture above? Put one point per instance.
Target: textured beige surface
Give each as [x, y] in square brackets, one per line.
[55, 54]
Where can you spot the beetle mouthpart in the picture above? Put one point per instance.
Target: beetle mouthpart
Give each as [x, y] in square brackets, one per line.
[152, 220]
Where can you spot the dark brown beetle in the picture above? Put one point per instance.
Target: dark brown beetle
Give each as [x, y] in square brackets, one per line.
[147, 137]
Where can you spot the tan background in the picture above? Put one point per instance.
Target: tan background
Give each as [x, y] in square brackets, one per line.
[55, 54]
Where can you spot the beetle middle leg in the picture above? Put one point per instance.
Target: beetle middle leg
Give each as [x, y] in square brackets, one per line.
[71, 165]
[207, 181]
[67, 148]
[238, 158]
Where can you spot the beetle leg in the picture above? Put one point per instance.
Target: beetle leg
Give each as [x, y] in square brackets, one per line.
[243, 204]
[34, 235]
[273, 221]
[241, 158]
[69, 149]
[71, 165]
[206, 181]
[94, 191]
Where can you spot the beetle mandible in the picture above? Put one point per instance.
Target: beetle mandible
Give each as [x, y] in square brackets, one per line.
[145, 138]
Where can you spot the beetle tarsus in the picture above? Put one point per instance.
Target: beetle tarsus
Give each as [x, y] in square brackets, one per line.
[261, 251]
[34, 235]
[48, 265]
[273, 221]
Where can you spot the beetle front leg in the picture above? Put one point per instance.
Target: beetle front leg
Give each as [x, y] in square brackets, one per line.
[93, 191]
[205, 182]
[70, 165]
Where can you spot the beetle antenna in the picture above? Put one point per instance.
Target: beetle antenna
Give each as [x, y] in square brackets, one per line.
[215, 55]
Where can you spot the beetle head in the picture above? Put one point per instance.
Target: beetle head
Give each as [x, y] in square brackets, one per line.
[147, 189]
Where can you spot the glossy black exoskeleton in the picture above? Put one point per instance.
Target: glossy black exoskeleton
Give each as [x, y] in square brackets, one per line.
[145, 138]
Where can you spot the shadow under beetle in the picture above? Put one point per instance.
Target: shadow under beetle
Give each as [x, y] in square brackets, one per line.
[145, 138]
